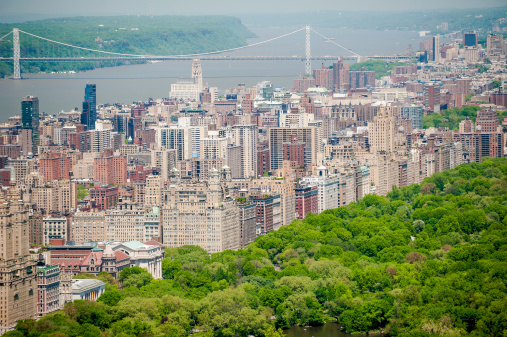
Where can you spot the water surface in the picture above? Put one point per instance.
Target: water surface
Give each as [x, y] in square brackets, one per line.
[126, 84]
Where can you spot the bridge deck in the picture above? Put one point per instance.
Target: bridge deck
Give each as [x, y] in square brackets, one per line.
[208, 58]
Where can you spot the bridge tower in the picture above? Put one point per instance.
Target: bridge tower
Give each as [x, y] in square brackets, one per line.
[15, 42]
[308, 63]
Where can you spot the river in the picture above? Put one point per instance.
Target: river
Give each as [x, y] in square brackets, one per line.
[126, 84]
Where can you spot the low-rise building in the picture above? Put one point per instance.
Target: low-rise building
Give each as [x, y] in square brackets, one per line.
[148, 255]
[87, 289]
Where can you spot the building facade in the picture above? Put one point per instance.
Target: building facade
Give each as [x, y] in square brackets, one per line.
[18, 288]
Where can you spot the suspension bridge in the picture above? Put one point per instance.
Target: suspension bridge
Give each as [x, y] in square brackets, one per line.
[16, 59]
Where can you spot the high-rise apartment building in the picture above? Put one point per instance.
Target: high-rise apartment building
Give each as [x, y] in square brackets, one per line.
[486, 122]
[431, 97]
[436, 48]
[470, 39]
[164, 160]
[323, 77]
[269, 214]
[99, 140]
[381, 131]
[245, 136]
[153, 191]
[495, 46]
[414, 113]
[89, 114]
[340, 75]
[18, 274]
[54, 167]
[55, 195]
[110, 169]
[248, 223]
[30, 119]
[294, 152]
[284, 187]
[278, 136]
[361, 79]
[386, 172]
[172, 138]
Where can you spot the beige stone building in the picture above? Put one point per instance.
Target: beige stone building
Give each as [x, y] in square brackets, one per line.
[164, 159]
[83, 169]
[18, 277]
[125, 223]
[87, 226]
[55, 196]
[245, 136]
[282, 184]
[21, 168]
[153, 191]
[200, 214]
[385, 172]
[382, 131]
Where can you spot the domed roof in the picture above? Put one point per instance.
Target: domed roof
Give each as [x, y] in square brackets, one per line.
[225, 167]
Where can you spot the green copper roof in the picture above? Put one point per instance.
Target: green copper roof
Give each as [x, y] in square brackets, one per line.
[133, 244]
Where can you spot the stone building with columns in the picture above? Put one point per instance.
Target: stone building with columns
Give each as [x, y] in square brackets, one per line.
[148, 255]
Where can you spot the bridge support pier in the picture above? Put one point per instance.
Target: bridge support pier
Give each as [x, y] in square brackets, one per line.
[15, 42]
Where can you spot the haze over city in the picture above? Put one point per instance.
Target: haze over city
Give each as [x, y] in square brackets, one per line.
[56, 8]
[265, 169]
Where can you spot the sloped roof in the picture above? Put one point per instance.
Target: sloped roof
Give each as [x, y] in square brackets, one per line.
[121, 256]
[153, 243]
[78, 285]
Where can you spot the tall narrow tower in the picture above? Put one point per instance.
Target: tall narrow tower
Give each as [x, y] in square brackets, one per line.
[436, 48]
[197, 73]
[15, 42]
[30, 119]
[89, 115]
[308, 63]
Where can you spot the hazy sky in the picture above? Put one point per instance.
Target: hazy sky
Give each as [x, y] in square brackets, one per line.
[229, 7]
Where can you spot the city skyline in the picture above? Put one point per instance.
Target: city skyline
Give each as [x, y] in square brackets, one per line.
[363, 185]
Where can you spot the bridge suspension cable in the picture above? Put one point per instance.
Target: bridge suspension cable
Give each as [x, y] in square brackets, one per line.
[141, 56]
[1, 38]
[339, 45]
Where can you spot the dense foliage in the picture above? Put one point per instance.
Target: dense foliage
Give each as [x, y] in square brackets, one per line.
[450, 118]
[428, 260]
[137, 35]
[381, 68]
